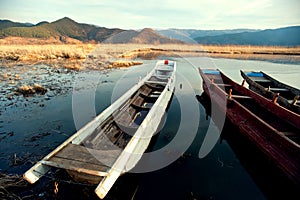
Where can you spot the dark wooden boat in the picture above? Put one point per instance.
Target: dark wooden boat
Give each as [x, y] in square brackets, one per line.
[272, 89]
[274, 129]
[113, 143]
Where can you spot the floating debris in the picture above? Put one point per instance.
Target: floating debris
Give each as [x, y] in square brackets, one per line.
[39, 89]
[122, 63]
[27, 90]
[9, 184]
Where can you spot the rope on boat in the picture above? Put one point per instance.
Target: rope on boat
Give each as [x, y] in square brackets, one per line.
[55, 187]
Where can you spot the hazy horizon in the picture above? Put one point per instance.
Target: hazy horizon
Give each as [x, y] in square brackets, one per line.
[138, 29]
[155, 14]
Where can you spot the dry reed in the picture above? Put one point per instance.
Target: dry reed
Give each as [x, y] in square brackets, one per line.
[45, 52]
[80, 52]
[9, 183]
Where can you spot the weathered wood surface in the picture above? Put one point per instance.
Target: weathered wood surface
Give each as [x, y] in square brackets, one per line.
[86, 155]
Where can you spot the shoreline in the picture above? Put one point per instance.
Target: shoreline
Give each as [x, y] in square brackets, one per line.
[77, 55]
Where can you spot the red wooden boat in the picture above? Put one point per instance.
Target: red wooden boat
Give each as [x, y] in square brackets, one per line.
[274, 129]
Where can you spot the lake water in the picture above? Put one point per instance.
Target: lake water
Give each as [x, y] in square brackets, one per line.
[31, 129]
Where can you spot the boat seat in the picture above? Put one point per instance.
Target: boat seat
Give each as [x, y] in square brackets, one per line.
[152, 86]
[221, 84]
[241, 97]
[290, 134]
[82, 159]
[263, 80]
[278, 89]
[157, 82]
[154, 95]
[297, 103]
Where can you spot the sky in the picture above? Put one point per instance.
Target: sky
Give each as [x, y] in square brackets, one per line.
[158, 14]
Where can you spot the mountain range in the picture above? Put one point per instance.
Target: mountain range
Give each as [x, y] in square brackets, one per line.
[288, 36]
[60, 29]
[189, 35]
[65, 28]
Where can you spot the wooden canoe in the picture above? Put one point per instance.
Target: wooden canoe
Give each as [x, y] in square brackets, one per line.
[272, 89]
[113, 142]
[274, 129]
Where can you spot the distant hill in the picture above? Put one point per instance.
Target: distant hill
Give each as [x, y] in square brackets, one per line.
[288, 36]
[122, 37]
[62, 28]
[7, 23]
[65, 28]
[149, 36]
[41, 23]
[145, 36]
[189, 35]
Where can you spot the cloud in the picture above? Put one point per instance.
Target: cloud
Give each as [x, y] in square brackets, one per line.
[204, 14]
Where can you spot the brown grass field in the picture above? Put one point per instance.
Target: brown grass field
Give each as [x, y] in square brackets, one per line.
[80, 52]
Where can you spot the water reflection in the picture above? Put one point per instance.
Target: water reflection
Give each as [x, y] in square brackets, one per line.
[222, 174]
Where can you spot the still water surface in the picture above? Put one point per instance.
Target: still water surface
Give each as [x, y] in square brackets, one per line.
[219, 175]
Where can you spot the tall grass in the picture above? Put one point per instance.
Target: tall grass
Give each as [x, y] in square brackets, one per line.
[45, 52]
[131, 51]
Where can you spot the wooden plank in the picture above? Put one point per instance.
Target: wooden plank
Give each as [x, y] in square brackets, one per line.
[86, 155]
[288, 134]
[259, 78]
[154, 95]
[224, 85]
[157, 82]
[278, 89]
[241, 96]
[79, 167]
[263, 81]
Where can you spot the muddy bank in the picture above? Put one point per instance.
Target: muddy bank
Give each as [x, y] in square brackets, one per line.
[34, 123]
[35, 116]
[33, 80]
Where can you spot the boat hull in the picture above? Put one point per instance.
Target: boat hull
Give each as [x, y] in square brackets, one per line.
[113, 142]
[240, 110]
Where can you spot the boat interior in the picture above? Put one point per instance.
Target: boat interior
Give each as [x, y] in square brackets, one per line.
[273, 86]
[116, 131]
[98, 151]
